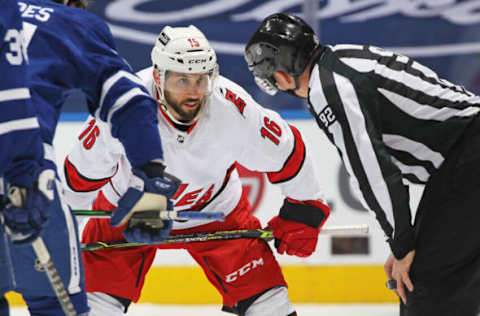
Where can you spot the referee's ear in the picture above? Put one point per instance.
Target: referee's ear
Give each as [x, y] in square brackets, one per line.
[284, 81]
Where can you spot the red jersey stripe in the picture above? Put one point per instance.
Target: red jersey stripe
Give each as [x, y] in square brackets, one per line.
[80, 183]
[294, 162]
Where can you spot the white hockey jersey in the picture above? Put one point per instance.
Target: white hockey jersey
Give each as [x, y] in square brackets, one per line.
[231, 128]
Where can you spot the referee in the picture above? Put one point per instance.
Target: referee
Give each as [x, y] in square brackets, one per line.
[394, 122]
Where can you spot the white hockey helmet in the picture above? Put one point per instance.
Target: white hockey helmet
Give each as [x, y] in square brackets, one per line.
[183, 50]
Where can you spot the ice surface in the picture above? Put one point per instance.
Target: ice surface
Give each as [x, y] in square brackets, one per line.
[212, 310]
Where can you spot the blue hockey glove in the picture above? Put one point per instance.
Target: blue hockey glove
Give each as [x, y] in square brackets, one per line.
[25, 214]
[150, 190]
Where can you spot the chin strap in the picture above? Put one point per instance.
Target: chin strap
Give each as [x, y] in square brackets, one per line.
[317, 54]
[174, 120]
[164, 108]
[161, 100]
[292, 91]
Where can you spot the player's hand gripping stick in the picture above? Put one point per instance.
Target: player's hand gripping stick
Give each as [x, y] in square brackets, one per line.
[20, 199]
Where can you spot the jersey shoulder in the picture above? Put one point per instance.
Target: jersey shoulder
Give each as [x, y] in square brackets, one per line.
[366, 52]
[231, 96]
[74, 23]
[9, 16]
[146, 75]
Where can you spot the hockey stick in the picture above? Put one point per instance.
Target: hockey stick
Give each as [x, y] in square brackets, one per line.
[45, 261]
[15, 196]
[164, 215]
[265, 234]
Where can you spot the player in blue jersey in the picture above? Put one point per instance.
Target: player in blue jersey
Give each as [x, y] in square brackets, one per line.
[17, 116]
[21, 150]
[69, 48]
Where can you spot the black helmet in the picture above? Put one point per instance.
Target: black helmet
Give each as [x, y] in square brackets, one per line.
[283, 42]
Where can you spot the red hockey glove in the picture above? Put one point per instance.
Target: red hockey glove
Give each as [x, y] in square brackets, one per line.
[297, 226]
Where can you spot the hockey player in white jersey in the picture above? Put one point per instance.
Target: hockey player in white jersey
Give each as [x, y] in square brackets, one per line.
[207, 124]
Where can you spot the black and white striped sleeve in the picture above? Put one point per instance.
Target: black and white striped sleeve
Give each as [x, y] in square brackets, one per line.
[395, 120]
[356, 135]
[379, 180]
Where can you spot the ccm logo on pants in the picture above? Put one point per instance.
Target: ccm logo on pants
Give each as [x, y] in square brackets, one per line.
[244, 270]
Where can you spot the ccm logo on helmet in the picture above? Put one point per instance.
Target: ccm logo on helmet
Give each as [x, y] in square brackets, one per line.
[244, 270]
[197, 61]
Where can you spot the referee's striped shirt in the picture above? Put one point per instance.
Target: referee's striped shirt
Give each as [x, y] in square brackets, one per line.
[392, 120]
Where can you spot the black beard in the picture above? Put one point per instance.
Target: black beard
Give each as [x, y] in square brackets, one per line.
[185, 117]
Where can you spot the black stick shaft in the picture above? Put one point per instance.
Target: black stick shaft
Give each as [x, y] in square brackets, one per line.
[265, 234]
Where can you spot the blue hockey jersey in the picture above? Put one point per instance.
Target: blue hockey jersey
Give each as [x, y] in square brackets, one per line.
[70, 48]
[21, 149]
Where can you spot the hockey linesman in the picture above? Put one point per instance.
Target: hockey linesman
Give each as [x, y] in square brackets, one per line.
[207, 123]
[393, 121]
[70, 48]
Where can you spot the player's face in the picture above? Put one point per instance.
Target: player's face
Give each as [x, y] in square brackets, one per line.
[185, 94]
